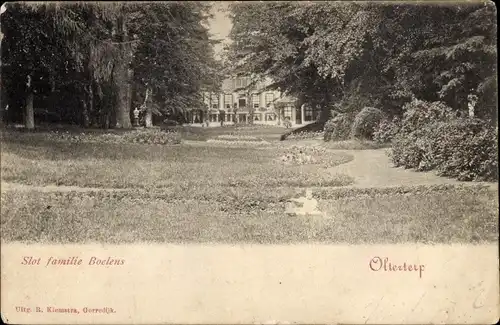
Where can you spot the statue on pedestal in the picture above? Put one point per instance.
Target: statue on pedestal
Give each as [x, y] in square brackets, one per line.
[136, 117]
[309, 205]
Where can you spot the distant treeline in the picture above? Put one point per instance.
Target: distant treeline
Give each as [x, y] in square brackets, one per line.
[343, 56]
[92, 64]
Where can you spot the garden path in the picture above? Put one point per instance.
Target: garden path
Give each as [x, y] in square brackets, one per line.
[373, 168]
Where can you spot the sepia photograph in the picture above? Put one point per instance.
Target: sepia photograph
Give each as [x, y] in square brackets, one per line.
[246, 123]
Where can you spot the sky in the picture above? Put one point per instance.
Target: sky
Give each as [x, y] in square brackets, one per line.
[220, 24]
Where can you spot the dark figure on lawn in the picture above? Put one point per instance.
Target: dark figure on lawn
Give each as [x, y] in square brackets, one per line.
[221, 117]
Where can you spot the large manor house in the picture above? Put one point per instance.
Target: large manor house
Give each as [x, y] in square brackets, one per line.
[237, 101]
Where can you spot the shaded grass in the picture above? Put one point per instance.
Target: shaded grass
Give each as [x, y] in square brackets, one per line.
[264, 132]
[149, 166]
[250, 216]
[186, 132]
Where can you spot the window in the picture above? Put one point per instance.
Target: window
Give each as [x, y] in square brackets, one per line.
[288, 111]
[228, 100]
[242, 103]
[269, 99]
[255, 100]
[240, 82]
[215, 101]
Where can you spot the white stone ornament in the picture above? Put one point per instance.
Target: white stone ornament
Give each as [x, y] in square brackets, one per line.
[308, 205]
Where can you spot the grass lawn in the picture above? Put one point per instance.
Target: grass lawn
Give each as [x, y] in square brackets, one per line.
[149, 166]
[249, 216]
[185, 193]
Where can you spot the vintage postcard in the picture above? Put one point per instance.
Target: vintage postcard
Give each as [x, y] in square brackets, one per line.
[249, 163]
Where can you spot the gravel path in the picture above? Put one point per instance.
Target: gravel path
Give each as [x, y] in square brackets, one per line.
[373, 168]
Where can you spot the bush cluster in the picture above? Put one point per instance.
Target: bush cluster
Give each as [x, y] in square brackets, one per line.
[386, 130]
[432, 137]
[305, 135]
[365, 123]
[343, 126]
[338, 128]
[418, 113]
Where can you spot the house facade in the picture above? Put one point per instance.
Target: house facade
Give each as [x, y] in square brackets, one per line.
[237, 103]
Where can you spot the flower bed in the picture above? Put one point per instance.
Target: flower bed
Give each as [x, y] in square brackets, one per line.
[151, 136]
[238, 142]
[235, 137]
[305, 155]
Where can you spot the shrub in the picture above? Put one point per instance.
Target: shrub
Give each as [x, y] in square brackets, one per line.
[153, 137]
[418, 113]
[465, 149]
[461, 148]
[304, 135]
[406, 151]
[308, 131]
[386, 130]
[366, 122]
[338, 128]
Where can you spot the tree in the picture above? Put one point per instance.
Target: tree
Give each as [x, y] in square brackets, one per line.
[31, 55]
[174, 60]
[106, 54]
[305, 48]
[440, 52]
[369, 53]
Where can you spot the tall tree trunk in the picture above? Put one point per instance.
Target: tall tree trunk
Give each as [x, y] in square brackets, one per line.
[122, 103]
[130, 77]
[29, 113]
[85, 114]
[121, 80]
[250, 108]
[86, 102]
[148, 117]
[53, 94]
[91, 102]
